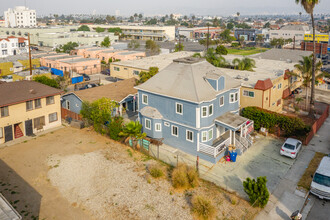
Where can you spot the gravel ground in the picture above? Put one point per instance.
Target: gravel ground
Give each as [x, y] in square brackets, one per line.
[114, 189]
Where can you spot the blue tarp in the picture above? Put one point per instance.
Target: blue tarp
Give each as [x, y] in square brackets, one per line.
[77, 79]
[56, 72]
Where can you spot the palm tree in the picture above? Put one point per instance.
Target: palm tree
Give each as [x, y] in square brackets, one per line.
[309, 5]
[244, 64]
[133, 130]
[259, 39]
[305, 68]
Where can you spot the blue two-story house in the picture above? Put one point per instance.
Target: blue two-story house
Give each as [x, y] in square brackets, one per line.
[193, 106]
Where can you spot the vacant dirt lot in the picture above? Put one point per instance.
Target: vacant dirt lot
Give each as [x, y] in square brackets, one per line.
[78, 174]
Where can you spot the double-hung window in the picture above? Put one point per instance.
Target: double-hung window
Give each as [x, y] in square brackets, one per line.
[4, 111]
[37, 103]
[248, 93]
[189, 136]
[204, 136]
[204, 111]
[52, 117]
[29, 105]
[158, 127]
[145, 99]
[179, 108]
[148, 124]
[175, 131]
[232, 97]
[210, 134]
[210, 110]
[222, 101]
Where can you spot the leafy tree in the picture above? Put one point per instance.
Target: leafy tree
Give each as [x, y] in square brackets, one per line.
[115, 127]
[83, 28]
[133, 130]
[243, 25]
[98, 112]
[259, 39]
[47, 81]
[215, 59]
[67, 48]
[277, 42]
[179, 47]
[244, 64]
[197, 55]
[267, 25]
[106, 42]
[140, 16]
[152, 21]
[221, 50]
[309, 6]
[152, 47]
[215, 22]
[99, 29]
[115, 30]
[225, 36]
[257, 191]
[133, 44]
[131, 19]
[110, 19]
[241, 41]
[144, 76]
[230, 26]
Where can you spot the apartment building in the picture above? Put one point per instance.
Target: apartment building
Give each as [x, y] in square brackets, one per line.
[27, 108]
[291, 31]
[20, 16]
[12, 46]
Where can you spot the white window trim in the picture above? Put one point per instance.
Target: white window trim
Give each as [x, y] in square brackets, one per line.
[230, 97]
[176, 108]
[236, 93]
[1, 133]
[248, 93]
[145, 103]
[207, 109]
[67, 104]
[204, 132]
[192, 136]
[160, 126]
[175, 135]
[208, 136]
[145, 123]
[223, 101]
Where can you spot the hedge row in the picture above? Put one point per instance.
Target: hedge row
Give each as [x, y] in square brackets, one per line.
[291, 126]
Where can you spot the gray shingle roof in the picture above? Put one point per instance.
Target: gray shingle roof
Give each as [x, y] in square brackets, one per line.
[151, 112]
[188, 81]
[282, 54]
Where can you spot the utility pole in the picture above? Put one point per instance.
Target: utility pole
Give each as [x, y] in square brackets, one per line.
[294, 42]
[30, 55]
[207, 39]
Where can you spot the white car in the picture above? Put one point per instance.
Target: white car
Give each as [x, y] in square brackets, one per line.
[291, 148]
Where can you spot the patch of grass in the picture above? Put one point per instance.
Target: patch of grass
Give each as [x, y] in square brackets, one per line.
[150, 207]
[156, 171]
[306, 179]
[25, 142]
[92, 142]
[203, 207]
[129, 152]
[184, 176]
[233, 201]
[245, 51]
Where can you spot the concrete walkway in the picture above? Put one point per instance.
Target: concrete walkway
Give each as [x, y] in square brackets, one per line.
[286, 198]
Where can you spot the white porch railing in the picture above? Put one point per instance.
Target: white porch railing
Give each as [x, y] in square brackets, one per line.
[211, 150]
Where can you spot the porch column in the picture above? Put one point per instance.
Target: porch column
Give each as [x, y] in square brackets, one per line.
[234, 137]
[241, 134]
[245, 130]
[121, 109]
[197, 142]
[230, 137]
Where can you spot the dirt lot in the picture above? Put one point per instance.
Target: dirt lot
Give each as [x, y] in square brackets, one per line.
[78, 174]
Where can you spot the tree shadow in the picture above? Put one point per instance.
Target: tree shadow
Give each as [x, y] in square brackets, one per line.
[281, 213]
[20, 194]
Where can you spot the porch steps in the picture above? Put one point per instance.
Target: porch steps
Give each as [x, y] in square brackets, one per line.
[18, 132]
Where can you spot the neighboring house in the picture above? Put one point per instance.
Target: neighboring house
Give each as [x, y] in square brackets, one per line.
[132, 68]
[17, 63]
[193, 106]
[248, 34]
[12, 46]
[123, 92]
[27, 107]
[291, 32]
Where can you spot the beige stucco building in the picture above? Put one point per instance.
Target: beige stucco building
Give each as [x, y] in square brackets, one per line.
[28, 107]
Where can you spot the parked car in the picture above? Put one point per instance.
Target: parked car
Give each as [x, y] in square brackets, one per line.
[8, 78]
[88, 86]
[291, 148]
[86, 77]
[297, 91]
[106, 72]
[320, 185]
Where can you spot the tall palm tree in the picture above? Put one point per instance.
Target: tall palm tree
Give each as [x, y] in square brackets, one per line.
[244, 63]
[305, 67]
[309, 5]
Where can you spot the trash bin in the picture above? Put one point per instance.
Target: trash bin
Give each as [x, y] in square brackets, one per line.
[233, 156]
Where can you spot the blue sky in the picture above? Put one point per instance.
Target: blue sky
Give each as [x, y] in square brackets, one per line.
[152, 7]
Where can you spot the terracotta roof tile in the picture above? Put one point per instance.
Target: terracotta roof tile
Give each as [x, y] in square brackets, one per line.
[264, 84]
[286, 93]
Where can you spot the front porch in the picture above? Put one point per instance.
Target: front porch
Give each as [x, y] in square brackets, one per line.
[231, 130]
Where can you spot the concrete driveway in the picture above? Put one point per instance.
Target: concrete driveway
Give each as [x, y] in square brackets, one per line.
[320, 210]
[261, 159]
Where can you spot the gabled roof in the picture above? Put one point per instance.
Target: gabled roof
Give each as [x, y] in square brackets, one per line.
[186, 80]
[263, 84]
[21, 91]
[117, 91]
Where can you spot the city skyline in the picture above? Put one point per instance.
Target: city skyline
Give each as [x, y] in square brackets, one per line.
[147, 7]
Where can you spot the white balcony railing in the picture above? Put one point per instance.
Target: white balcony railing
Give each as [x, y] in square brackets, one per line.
[214, 150]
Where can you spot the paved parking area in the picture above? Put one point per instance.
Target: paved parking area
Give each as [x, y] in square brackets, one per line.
[261, 159]
[320, 210]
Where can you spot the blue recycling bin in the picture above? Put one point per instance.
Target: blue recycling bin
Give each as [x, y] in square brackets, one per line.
[233, 156]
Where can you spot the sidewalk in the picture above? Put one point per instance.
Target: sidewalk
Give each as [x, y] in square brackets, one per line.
[286, 198]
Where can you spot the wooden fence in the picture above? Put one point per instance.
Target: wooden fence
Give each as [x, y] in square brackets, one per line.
[317, 125]
[69, 114]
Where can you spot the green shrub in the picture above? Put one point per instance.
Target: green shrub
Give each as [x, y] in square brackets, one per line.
[292, 126]
[115, 127]
[203, 207]
[47, 81]
[184, 176]
[156, 171]
[257, 191]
